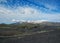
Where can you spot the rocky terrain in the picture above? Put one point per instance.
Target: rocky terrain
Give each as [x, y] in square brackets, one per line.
[45, 37]
[30, 33]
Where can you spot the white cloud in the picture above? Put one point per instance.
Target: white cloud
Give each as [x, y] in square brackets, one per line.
[20, 12]
[23, 13]
[13, 20]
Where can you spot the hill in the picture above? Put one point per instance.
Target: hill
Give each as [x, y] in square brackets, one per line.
[45, 32]
[45, 37]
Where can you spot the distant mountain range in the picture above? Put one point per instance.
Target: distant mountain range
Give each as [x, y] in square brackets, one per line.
[32, 21]
[43, 22]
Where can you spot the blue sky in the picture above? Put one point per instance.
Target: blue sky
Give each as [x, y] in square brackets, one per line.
[29, 10]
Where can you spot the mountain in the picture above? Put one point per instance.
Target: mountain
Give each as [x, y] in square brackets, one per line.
[30, 21]
[43, 22]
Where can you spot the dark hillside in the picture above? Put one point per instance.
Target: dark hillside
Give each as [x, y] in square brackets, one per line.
[46, 32]
[46, 37]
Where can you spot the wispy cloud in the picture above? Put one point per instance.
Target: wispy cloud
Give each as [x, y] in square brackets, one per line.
[26, 13]
[29, 13]
[51, 6]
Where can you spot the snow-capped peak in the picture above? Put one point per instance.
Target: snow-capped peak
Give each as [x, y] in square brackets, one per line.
[30, 21]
